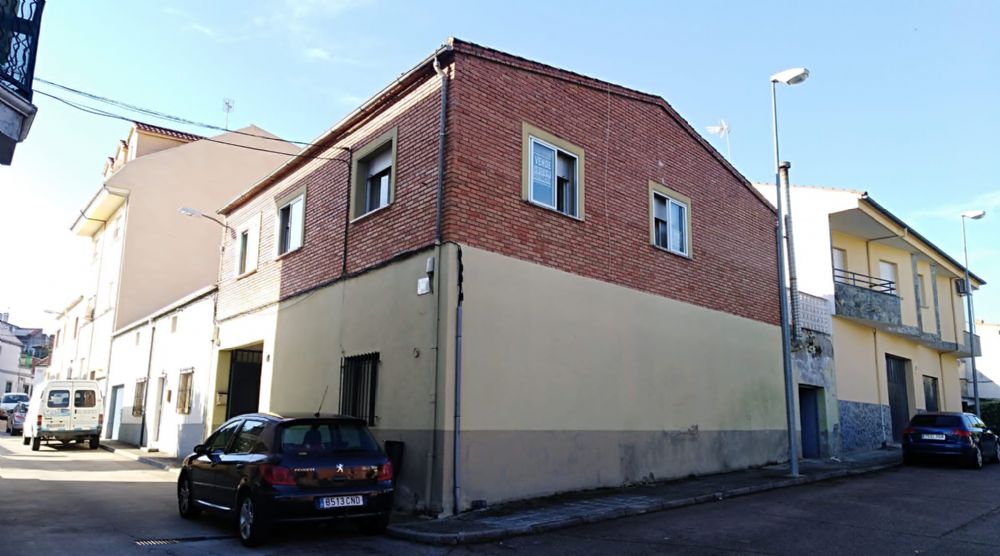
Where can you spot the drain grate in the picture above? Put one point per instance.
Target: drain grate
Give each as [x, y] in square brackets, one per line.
[161, 542]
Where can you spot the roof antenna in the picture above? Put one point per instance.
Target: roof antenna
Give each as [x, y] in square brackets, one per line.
[228, 105]
[321, 400]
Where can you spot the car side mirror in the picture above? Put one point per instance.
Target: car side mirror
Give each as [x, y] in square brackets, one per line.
[199, 449]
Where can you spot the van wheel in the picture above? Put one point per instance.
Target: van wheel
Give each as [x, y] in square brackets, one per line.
[36, 443]
[25, 440]
[94, 442]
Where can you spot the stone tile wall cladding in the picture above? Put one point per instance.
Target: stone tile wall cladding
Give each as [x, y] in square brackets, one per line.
[864, 426]
[865, 304]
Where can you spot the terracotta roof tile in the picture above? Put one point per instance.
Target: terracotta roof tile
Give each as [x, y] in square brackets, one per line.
[142, 126]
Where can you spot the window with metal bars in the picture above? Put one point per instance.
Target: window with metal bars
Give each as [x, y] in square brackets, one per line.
[358, 384]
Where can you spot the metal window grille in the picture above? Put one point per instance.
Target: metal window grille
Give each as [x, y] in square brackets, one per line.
[139, 402]
[184, 393]
[20, 23]
[358, 384]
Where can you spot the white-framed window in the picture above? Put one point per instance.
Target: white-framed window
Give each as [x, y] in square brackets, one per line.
[139, 398]
[184, 387]
[670, 224]
[248, 241]
[553, 177]
[921, 291]
[291, 224]
[889, 274]
[839, 262]
[374, 170]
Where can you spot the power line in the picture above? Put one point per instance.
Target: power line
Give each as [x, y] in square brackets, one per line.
[163, 115]
[106, 114]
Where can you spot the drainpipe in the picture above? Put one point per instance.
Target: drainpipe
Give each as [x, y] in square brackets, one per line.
[149, 371]
[456, 495]
[438, 235]
[793, 281]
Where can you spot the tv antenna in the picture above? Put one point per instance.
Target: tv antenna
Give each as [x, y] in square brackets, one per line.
[227, 106]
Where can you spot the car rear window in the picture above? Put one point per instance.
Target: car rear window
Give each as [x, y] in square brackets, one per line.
[13, 398]
[84, 398]
[936, 421]
[326, 438]
[58, 399]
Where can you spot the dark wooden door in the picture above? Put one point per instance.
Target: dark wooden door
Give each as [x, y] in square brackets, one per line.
[244, 382]
[899, 404]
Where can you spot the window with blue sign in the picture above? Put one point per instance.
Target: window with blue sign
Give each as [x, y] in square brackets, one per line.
[554, 178]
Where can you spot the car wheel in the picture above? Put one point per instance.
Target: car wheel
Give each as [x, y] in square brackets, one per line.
[374, 525]
[36, 443]
[95, 441]
[996, 452]
[976, 461]
[185, 500]
[253, 527]
[25, 440]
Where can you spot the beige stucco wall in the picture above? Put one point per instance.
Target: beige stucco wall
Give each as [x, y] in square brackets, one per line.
[861, 367]
[570, 382]
[305, 338]
[167, 254]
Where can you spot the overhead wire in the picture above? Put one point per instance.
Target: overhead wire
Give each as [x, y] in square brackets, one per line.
[104, 113]
[164, 115]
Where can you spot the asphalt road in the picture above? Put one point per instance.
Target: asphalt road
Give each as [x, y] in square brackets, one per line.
[71, 500]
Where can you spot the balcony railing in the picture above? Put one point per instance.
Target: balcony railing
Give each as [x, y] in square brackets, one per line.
[20, 21]
[863, 281]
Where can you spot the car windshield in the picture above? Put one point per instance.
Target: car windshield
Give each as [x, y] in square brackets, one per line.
[14, 398]
[926, 420]
[326, 437]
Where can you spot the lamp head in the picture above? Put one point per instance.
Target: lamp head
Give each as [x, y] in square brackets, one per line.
[188, 211]
[974, 214]
[792, 76]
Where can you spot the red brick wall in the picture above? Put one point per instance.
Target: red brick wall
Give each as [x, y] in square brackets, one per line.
[408, 223]
[628, 140]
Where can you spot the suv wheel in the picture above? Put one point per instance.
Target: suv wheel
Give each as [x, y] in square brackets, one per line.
[253, 527]
[25, 439]
[36, 443]
[95, 442]
[185, 501]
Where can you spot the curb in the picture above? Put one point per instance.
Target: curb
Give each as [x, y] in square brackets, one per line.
[489, 535]
[148, 461]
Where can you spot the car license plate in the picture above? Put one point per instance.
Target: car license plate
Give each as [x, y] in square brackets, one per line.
[340, 502]
[932, 436]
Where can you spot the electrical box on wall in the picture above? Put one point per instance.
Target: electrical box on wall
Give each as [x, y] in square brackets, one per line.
[221, 398]
[423, 286]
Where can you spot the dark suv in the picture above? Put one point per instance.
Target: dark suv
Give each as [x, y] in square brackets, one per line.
[950, 434]
[267, 469]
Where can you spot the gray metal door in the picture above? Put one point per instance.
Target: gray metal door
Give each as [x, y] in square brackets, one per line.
[931, 393]
[899, 405]
[244, 382]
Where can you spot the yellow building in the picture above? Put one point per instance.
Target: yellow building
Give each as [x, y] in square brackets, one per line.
[894, 328]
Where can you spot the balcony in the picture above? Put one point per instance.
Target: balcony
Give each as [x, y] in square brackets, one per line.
[871, 300]
[20, 21]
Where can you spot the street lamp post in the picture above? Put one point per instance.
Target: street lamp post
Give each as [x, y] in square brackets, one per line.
[974, 215]
[195, 213]
[792, 76]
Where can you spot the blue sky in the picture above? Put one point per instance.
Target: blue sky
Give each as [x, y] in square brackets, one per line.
[902, 100]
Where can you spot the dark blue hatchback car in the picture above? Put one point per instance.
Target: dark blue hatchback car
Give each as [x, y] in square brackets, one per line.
[265, 469]
[961, 436]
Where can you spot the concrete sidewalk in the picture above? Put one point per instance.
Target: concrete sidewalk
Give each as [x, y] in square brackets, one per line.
[167, 462]
[558, 512]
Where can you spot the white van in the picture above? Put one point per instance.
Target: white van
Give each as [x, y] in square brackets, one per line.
[65, 410]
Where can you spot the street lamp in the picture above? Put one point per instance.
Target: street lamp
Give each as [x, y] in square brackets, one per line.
[195, 213]
[974, 215]
[792, 76]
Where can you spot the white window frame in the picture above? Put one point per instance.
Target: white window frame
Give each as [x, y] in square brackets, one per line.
[532, 141]
[686, 225]
[251, 248]
[287, 202]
